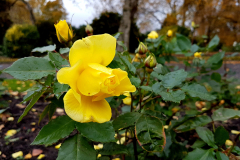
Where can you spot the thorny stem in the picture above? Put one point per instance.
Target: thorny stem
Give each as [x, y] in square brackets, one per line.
[135, 146]
[234, 144]
[150, 99]
[131, 102]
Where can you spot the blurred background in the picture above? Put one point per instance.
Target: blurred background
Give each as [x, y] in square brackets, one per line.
[26, 24]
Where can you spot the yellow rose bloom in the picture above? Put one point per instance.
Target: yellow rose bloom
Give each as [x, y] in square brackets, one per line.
[64, 33]
[198, 55]
[169, 33]
[91, 81]
[153, 35]
[128, 99]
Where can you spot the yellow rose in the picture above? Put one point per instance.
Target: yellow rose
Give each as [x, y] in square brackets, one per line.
[64, 33]
[169, 33]
[198, 55]
[91, 81]
[153, 35]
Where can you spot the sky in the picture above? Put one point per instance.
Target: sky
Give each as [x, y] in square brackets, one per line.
[78, 14]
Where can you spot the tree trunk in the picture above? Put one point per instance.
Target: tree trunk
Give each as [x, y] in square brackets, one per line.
[30, 11]
[129, 11]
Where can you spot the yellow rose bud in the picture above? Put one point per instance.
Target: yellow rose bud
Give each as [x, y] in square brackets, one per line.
[235, 132]
[89, 30]
[17, 154]
[169, 33]
[228, 142]
[198, 55]
[91, 81]
[142, 49]
[153, 35]
[137, 58]
[150, 61]
[64, 32]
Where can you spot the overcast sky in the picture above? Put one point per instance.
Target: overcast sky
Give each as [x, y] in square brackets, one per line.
[78, 13]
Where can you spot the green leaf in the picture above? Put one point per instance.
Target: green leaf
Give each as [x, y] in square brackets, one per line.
[156, 75]
[236, 149]
[135, 81]
[117, 35]
[43, 114]
[64, 50]
[31, 91]
[58, 89]
[30, 68]
[99, 132]
[223, 114]
[155, 114]
[49, 80]
[150, 133]
[126, 120]
[3, 110]
[183, 42]
[120, 43]
[114, 103]
[201, 154]
[221, 135]
[58, 60]
[130, 67]
[207, 136]
[52, 109]
[56, 129]
[45, 48]
[160, 69]
[174, 78]
[115, 64]
[157, 88]
[214, 42]
[214, 59]
[216, 77]
[76, 148]
[196, 90]
[194, 48]
[113, 149]
[221, 156]
[198, 144]
[174, 96]
[35, 98]
[194, 123]
[146, 88]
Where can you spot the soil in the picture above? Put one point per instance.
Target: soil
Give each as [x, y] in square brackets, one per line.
[27, 132]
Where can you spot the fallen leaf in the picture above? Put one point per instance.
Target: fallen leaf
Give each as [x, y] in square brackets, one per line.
[17, 154]
[34, 110]
[1, 126]
[58, 146]
[28, 156]
[54, 117]
[21, 106]
[4, 156]
[10, 119]
[36, 152]
[13, 93]
[33, 129]
[33, 123]
[11, 132]
[41, 156]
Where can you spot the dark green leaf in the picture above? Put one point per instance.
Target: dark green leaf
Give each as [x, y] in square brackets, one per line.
[201, 154]
[114, 103]
[156, 75]
[194, 123]
[221, 156]
[76, 148]
[56, 129]
[43, 114]
[223, 114]
[35, 98]
[58, 60]
[236, 149]
[113, 149]
[196, 90]
[214, 42]
[198, 144]
[135, 81]
[49, 80]
[115, 64]
[31, 91]
[183, 42]
[150, 133]
[174, 96]
[207, 136]
[58, 89]
[120, 43]
[221, 135]
[125, 120]
[45, 48]
[146, 88]
[216, 77]
[215, 59]
[130, 67]
[52, 109]
[155, 114]
[160, 69]
[64, 50]
[31, 68]
[174, 78]
[99, 132]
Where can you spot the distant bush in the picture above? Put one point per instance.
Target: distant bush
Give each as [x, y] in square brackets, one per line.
[19, 40]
